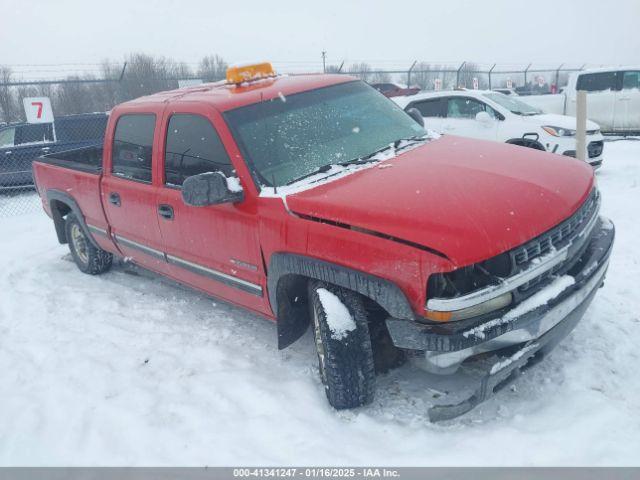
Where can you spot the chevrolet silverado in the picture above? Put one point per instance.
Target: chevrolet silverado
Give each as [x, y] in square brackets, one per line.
[316, 202]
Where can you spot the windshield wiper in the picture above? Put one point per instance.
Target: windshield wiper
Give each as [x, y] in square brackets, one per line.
[360, 160]
[322, 169]
[366, 158]
[410, 140]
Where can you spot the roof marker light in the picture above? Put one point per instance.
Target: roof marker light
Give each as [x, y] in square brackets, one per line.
[247, 73]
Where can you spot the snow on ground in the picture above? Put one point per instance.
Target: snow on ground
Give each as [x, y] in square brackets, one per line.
[129, 368]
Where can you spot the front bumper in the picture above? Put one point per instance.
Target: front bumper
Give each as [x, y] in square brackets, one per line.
[595, 149]
[497, 349]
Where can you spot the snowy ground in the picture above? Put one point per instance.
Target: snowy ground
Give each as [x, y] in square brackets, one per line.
[129, 368]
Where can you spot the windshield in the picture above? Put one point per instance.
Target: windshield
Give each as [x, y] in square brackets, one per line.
[514, 106]
[287, 139]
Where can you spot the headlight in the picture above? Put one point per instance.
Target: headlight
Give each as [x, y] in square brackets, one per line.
[466, 280]
[485, 307]
[559, 132]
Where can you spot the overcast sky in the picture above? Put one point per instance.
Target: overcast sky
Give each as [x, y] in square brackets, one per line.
[380, 32]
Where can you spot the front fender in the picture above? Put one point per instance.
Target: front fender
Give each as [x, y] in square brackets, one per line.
[291, 321]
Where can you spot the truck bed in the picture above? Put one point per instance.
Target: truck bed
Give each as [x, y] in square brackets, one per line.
[86, 159]
[74, 174]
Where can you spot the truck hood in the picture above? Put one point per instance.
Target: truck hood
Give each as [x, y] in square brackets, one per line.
[466, 199]
[553, 120]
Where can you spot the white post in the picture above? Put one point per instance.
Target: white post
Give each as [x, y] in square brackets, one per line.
[581, 125]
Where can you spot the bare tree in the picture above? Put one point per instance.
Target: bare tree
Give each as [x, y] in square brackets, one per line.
[362, 70]
[212, 68]
[380, 77]
[74, 97]
[9, 110]
[145, 75]
[333, 69]
[468, 72]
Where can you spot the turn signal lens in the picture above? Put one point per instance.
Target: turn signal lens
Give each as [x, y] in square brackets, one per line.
[436, 316]
[469, 312]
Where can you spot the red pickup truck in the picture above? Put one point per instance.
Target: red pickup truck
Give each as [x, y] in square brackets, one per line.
[315, 201]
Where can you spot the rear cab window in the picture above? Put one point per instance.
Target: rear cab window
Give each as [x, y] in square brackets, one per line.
[133, 146]
[193, 146]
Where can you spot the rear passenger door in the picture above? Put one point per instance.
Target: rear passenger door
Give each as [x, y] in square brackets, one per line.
[432, 110]
[213, 248]
[461, 118]
[128, 190]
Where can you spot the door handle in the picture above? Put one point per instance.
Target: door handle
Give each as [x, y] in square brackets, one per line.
[165, 211]
[114, 198]
[46, 149]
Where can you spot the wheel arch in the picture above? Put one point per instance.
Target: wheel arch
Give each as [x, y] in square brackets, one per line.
[287, 280]
[525, 142]
[61, 204]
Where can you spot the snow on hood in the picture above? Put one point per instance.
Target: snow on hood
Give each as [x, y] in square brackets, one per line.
[554, 120]
[466, 198]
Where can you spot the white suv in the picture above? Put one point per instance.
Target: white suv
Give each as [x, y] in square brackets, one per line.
[494, 116]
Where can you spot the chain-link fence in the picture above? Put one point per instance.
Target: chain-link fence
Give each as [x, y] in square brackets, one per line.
[523, 79]
[22, 143]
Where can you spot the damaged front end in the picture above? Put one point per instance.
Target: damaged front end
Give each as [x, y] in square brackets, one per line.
[507, 313]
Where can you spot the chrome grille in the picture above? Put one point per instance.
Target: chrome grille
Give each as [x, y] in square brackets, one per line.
[558, 236]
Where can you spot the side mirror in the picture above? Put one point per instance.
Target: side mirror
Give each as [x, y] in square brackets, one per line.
[209, 189]
[484, 118]
[416, 115]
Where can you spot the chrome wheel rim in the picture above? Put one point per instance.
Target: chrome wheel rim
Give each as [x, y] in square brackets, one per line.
[319, 347]
[79, 243]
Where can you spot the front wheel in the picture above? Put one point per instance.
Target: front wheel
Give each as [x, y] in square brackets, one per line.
[345, 356]
[89, 258]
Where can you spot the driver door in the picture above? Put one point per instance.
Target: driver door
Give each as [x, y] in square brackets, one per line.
[461, 113]
[213, 248]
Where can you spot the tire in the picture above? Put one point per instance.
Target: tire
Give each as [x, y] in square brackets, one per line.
[345, 358]
[88, 258]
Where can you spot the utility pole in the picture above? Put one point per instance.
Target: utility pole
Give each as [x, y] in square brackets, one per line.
[324, 61]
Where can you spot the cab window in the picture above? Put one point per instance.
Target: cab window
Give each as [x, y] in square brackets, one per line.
[193, 147]
[429, 108]
[132, 147]
[630, 80]
[33, 134]
[597, 82]
[6, 137]
[465, 107]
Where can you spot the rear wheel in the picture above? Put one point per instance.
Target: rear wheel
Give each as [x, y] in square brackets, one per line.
[345, 356]
[88, 258]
